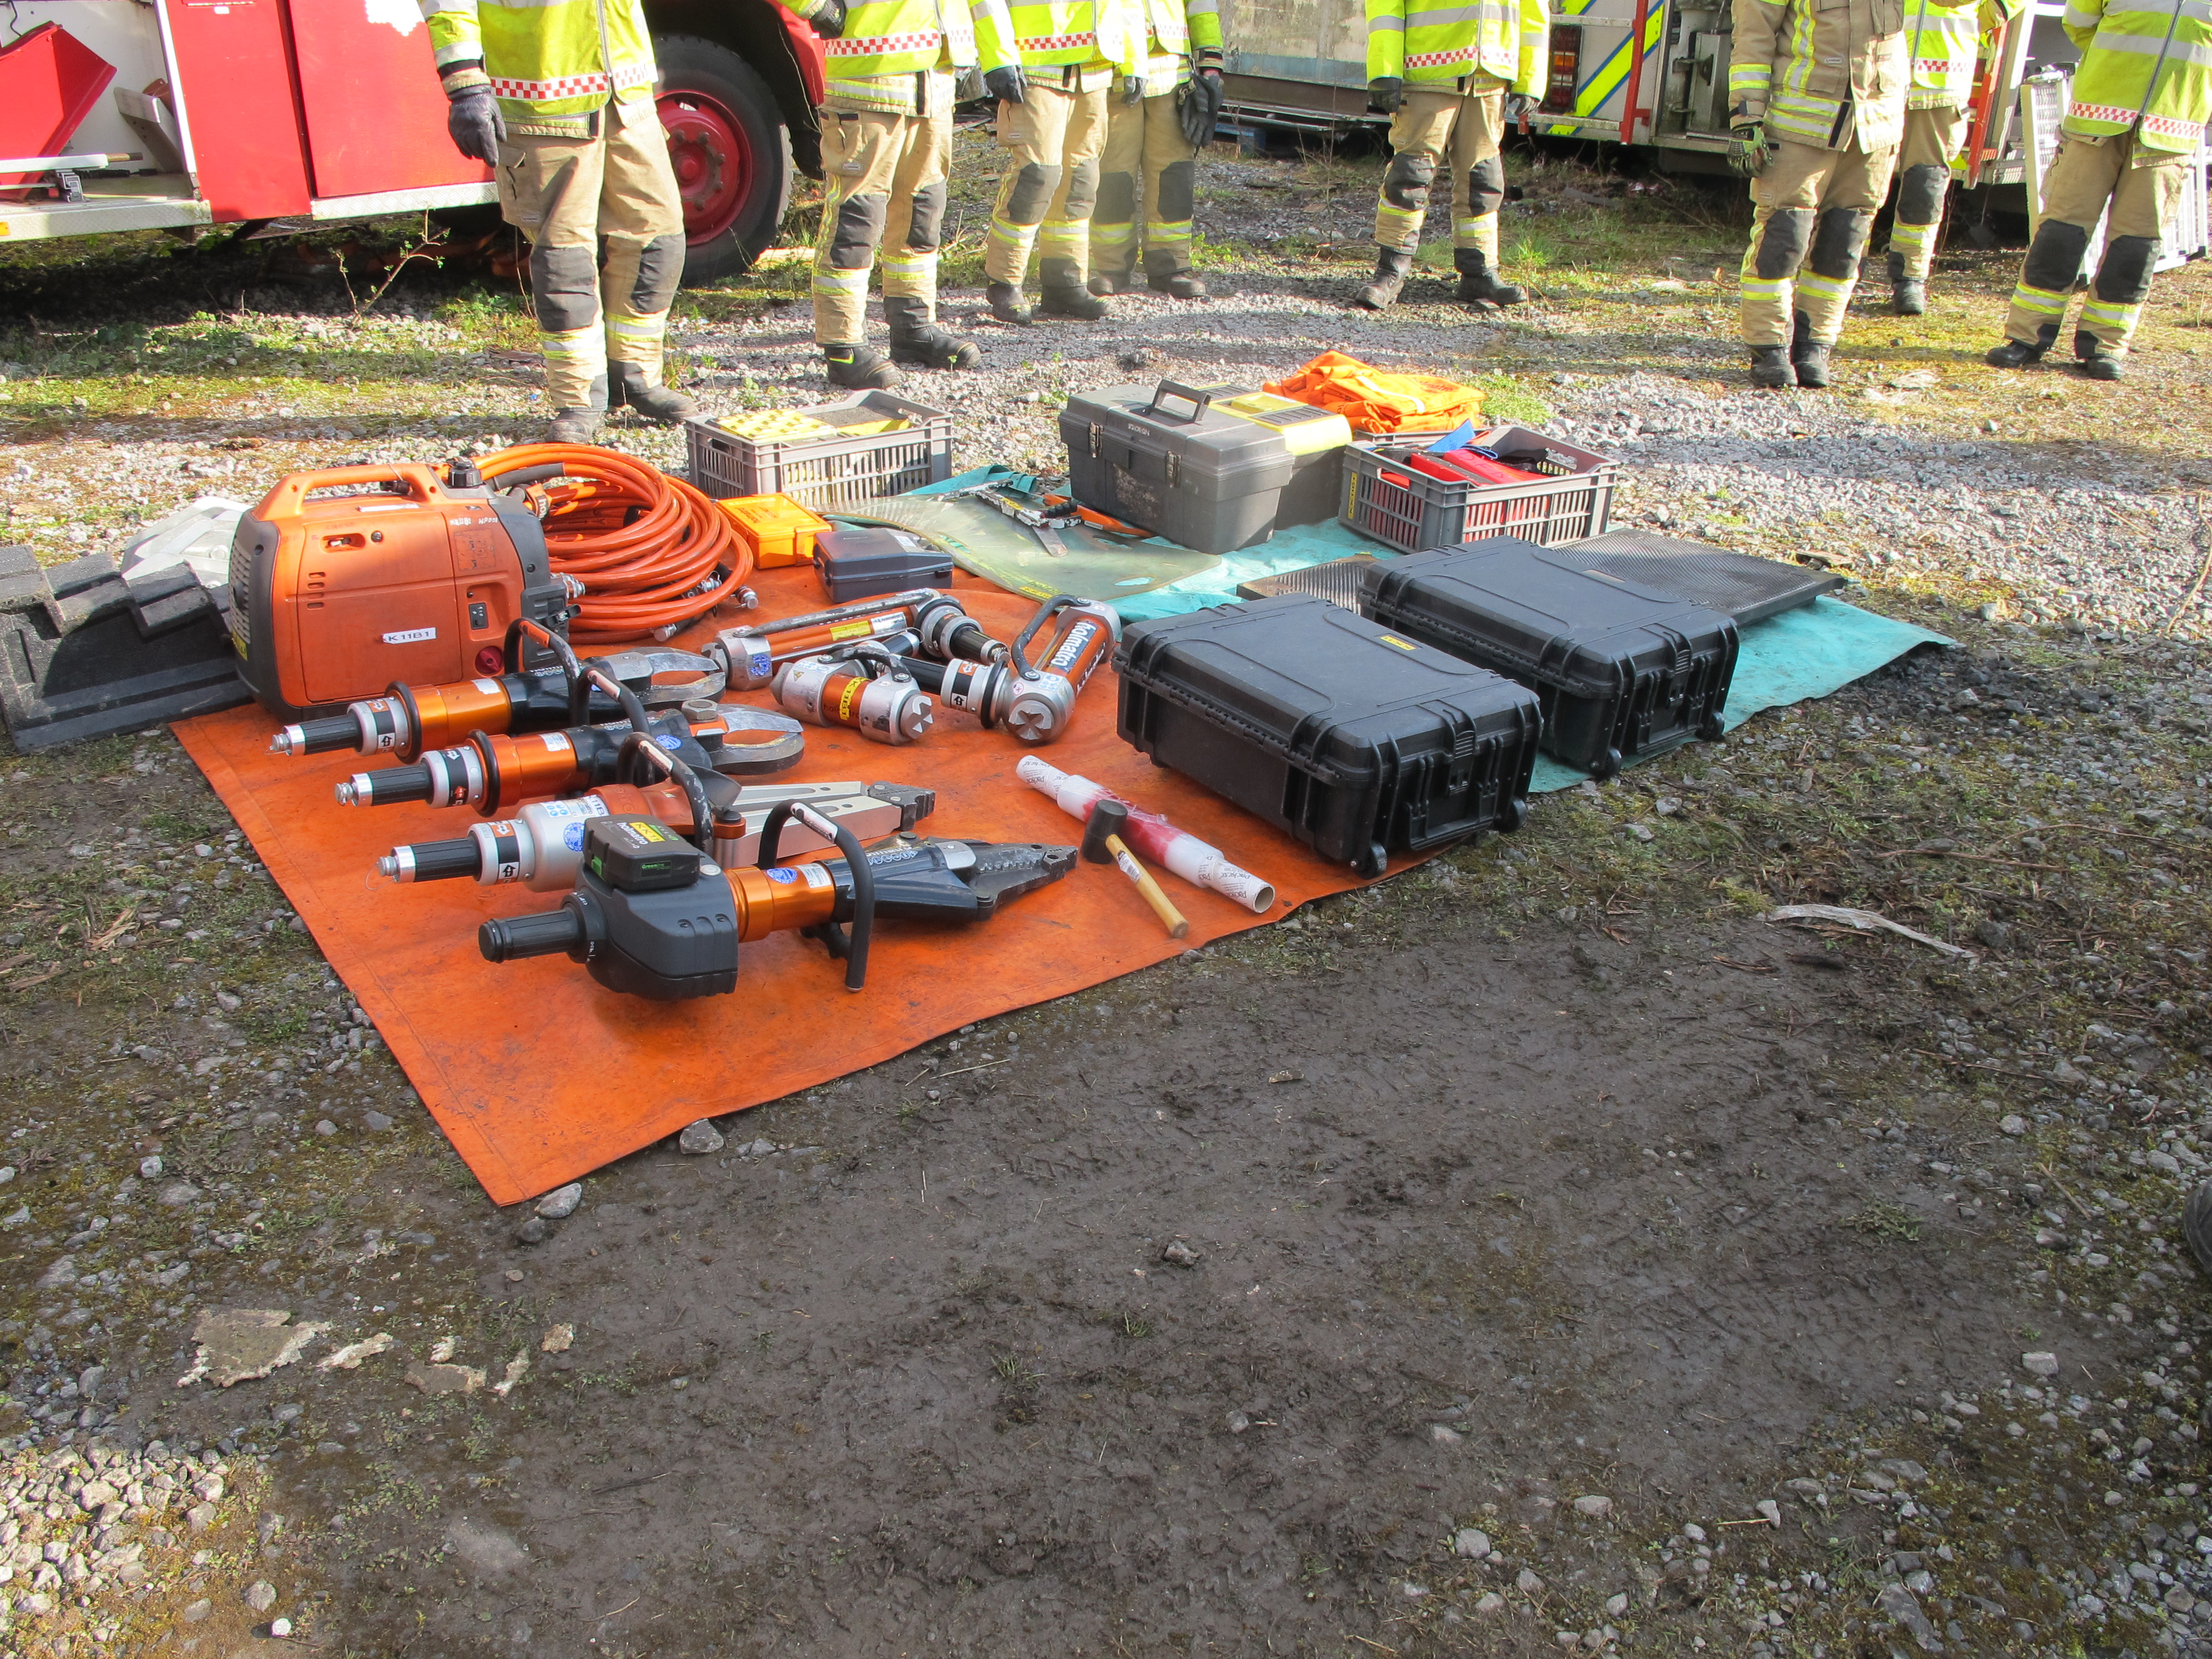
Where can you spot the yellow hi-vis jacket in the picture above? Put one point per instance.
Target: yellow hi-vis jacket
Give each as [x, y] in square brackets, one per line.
[1062, 33]
[552, 64]
[1176, 33]
[1833, 75]
[1422, 42]
[1943, 43]
[2147, 61]
[887, 43]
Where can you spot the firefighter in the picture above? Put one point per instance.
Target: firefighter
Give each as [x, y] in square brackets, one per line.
[2141, 96]
[1049, 64]
[555, 96]
[1942, 43]
[1157, 127]
[1816, 89]
[886, 125]
[1449, 86]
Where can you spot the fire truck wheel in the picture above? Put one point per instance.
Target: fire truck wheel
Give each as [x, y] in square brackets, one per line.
[732, 155]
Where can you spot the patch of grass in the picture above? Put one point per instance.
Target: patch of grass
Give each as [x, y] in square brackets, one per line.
[1882, 1219]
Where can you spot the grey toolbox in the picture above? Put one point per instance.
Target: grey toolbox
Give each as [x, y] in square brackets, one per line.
[1622, 670]
[1210, 467]
[1353, 738]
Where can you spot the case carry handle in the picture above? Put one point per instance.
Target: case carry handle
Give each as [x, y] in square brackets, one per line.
[1195, 397]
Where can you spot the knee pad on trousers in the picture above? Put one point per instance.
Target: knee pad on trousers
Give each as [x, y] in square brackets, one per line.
[1177, 190]
[2054, 258]
[1406, 181]
[1485, 186]
[859, 228]
[926, 228]
[1781, 244]
[1117, 200]
[659, 269]
[1032, 192]
[2123, 274]
[565, 284]
[1839, 242]
[1083, 190]
[1920, 193]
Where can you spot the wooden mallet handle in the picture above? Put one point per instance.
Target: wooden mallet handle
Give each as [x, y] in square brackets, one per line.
[1170, 918]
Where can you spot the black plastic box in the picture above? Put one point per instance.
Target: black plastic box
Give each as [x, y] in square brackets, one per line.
[1355, 740]
[861, 563]
[1622, 670]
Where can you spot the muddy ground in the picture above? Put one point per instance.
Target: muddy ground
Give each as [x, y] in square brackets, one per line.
[1536, 1249]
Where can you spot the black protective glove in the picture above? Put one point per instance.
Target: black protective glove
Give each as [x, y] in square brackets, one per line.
[1006, 84]
[1519, 107]
[1748, 150]
[1385, 93]
[475, 124]
[1133, 89]
[828, 18]
[1201, 108]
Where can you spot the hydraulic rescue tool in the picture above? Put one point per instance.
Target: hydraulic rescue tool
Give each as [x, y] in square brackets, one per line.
[943, 628]
[654, 915]
[409, 719]
[1036, 703]
[542, 846]
[863, 687]
[1182, 854]
[493, 772]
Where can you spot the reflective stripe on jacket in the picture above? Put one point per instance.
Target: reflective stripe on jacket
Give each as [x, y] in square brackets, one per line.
[2142, 60]
[1943, 43]
[1052, 33]
[1422, 41]
[550, 63]
[1833, 75]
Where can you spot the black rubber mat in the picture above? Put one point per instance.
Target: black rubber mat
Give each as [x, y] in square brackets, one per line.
[1747, 588]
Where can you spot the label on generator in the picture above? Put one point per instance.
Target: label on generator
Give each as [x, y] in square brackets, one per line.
[556, 741]
[410, 636]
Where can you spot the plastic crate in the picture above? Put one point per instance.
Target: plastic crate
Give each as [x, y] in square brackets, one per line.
[1412, 511]
[825, 473]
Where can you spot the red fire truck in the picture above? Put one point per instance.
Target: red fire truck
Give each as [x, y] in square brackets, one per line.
[174, 114]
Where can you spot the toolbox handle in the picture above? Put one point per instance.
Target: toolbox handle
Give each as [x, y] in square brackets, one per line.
[1195, 397]
[288, 498]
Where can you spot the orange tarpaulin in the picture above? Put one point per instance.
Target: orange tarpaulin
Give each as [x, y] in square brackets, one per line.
[1381, 400]
[538, 1076]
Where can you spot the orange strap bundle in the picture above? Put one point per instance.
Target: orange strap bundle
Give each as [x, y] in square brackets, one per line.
[1381, 400]
[651, 551]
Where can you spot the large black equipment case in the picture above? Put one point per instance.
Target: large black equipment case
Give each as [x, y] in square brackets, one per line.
[1352, 738]
[1622, 670]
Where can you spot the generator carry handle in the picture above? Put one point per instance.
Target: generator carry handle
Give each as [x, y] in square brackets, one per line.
[1197, 396]
[288, 498]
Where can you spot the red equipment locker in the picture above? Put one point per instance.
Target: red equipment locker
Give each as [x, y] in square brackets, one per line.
[375, 112]
[234, 66]
[49, 82]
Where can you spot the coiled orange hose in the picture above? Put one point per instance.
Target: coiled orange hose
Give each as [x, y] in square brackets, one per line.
[650, 549]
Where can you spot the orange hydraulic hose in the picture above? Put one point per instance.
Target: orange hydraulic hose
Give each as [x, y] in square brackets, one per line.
[650, 549]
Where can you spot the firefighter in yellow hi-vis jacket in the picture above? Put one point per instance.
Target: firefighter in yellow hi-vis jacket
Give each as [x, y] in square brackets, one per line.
[1816, 90]
[1154, 132]
[1449, 79]
[1942, 44]
[555, 96]
[890, 69]
[1049, 64]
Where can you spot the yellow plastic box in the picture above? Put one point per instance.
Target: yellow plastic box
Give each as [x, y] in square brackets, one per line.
[779, 530]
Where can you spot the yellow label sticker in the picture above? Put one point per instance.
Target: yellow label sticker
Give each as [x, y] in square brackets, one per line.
[649, 831]
[852, 630]
[849, 699]
[1392, 639]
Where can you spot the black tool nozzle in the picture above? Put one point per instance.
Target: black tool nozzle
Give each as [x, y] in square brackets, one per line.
[510, 939]
[434, 860]
[319, 736]
[382, 788]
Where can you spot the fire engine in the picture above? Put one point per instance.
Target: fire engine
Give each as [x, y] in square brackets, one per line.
[179, 114]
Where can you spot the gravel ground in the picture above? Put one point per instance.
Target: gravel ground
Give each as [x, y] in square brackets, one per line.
[2016, 1464]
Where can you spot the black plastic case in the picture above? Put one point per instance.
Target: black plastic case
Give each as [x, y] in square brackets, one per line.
[863, 562]
[1622, 670]
[1354, 738]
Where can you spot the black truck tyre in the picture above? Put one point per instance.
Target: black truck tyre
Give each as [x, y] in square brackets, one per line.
[730, 152]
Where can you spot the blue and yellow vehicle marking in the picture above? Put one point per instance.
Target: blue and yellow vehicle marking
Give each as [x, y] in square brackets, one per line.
[1599, 86]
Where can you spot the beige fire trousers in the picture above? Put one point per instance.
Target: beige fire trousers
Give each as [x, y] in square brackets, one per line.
[569, 195]
[2137, 193]
[887, 177]
[1146, 188]
[1053, 139]
[1465, 122]
[1811, 211]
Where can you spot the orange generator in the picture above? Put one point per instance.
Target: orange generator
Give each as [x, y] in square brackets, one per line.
[336, 597]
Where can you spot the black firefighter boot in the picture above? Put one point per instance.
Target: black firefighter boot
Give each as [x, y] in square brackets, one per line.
[1908, 297]
[1808, 356]
[626, 384]
[1770, 369]
[1479, 285]
[1391, 270]
[2019, 354]
[1176, 281]
[1066, 294]
[917, 337]
[858, 368]
[1007, 304]
[1116, 279]
[2095, 359]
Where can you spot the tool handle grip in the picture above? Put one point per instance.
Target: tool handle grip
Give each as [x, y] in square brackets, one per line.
[288, 498]
[1170, 918]
[854, 950]
[510, 939]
